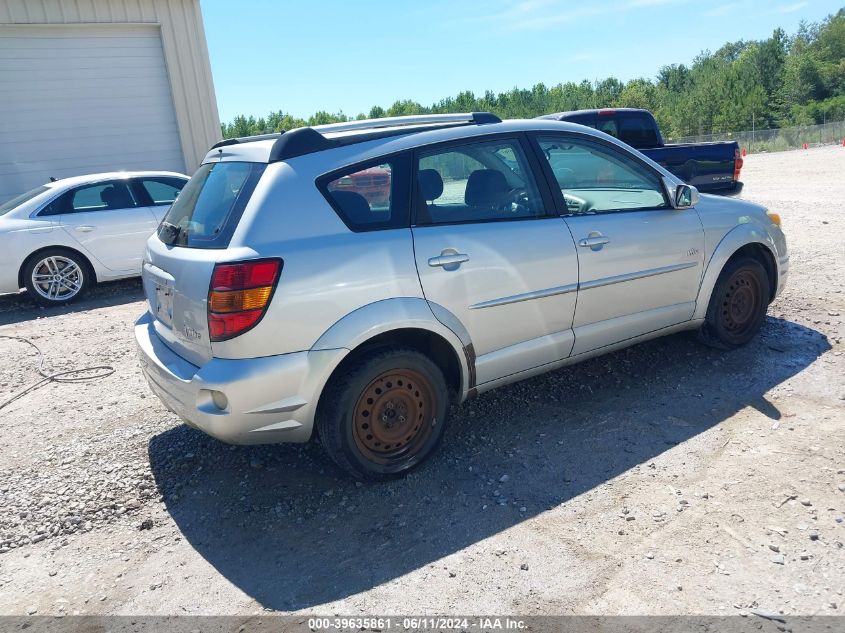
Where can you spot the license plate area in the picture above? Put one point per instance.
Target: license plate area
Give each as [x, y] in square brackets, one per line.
[160, 290]
[163, 310]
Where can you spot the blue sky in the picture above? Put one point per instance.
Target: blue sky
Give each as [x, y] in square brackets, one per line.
[347, 56]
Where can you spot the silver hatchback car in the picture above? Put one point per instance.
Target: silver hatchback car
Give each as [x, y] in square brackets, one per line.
[352, 280]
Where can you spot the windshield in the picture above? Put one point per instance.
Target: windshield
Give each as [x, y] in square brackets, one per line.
[208, 209]
[19, 200]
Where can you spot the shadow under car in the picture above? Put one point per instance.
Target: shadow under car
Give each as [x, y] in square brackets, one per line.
[288, 529]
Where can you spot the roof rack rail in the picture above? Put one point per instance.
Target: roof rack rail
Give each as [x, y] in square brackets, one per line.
[307, 140]
[478, 118]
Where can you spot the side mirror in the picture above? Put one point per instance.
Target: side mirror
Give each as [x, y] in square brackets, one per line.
[683, 196]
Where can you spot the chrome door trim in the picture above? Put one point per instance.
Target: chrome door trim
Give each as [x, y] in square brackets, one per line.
[537, 294]
[616, 279]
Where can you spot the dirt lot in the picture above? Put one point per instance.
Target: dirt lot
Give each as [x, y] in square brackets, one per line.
[665, 479]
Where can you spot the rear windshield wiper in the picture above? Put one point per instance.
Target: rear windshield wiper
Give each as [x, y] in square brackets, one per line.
[173, 233]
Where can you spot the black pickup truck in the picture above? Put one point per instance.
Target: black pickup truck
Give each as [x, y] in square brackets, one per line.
[710, 167]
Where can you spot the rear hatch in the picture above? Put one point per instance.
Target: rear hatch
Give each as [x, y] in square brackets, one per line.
[180, 257]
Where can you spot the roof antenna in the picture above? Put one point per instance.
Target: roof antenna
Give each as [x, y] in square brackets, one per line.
[53, 179]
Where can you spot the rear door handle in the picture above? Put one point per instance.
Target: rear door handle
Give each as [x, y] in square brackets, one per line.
[85, 228]
[593, 240]
[448, 260]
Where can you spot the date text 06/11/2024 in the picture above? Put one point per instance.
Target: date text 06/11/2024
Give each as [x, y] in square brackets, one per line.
[416, 623]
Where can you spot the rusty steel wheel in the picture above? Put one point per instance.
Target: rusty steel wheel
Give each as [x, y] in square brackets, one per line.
[383, 413]
[393, 416]
[737, 306]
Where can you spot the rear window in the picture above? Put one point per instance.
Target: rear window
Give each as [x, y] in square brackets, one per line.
[208, 209]
[19, 200]
[637, 131]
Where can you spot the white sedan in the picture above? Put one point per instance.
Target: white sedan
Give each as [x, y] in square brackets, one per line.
[62, 237]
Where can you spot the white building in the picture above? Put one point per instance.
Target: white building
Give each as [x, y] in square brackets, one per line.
[101, 85]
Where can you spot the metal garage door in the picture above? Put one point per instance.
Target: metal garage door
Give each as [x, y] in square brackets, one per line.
[83, 99]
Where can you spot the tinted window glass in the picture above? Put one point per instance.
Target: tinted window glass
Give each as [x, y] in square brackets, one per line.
[582, 119]
[371, 196]
[478, 182]
[364, 197]
[162, 190]
[608, 126]
[19, 200]
[637, 131]
[594, 178]
[210, 205]
[104, 196]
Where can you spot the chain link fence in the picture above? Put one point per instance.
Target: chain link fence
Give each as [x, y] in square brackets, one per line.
[778, 139]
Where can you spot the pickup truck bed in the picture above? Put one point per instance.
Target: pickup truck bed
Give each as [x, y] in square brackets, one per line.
[710, 167]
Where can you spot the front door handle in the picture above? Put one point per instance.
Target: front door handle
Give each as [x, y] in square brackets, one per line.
[453, 260]
[593, 241]
[85, 228]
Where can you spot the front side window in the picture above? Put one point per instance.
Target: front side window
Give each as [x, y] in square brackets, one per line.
[104, 196]
[162, 190]
[594, 178]
[209, 207]
[477, 182]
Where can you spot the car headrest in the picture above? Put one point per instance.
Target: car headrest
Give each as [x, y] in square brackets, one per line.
[431, 184]
[115, 198]
[107, 195]
[485, 188]
[355, 206]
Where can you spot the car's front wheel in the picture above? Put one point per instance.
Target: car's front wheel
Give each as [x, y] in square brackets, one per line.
[56, 276]
[737, 306]
[384, 414]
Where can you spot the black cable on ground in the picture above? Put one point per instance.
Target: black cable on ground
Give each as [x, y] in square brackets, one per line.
[82, 374]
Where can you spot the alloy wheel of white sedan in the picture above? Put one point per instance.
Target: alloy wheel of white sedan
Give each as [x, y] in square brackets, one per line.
[57, 278]
[56, 275]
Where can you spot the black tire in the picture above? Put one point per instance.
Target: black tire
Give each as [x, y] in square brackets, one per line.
[382, 443]
[737, 306]
[63, 259]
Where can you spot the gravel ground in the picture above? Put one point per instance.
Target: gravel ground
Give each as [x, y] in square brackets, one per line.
[668, 478]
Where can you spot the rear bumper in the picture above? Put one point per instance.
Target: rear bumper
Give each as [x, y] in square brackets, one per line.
[734, 189]
[265, 400]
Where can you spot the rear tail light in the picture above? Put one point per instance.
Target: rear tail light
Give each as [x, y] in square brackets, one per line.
[738, 162]
[239, 296]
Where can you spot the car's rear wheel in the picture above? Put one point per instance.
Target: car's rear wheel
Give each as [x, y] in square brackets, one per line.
[738, 305]
[383, 414]
[56, 276]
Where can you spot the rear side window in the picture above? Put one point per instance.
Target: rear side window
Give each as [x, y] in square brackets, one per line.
[371, 196]
[207, 210]
[104, 196]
